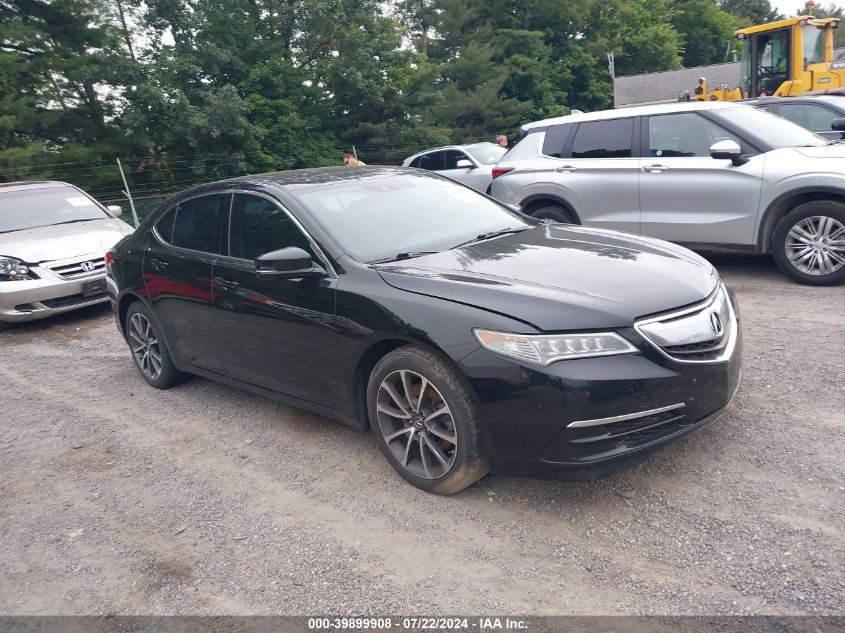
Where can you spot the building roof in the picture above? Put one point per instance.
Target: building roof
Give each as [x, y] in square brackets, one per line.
[665, 86]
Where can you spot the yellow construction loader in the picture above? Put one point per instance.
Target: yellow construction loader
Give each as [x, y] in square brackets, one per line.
[782, 59]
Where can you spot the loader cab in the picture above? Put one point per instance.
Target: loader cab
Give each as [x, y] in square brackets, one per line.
[781, 58]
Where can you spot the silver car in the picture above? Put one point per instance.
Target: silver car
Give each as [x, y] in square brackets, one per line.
[710, 175]
[471, 165]
[53, 242]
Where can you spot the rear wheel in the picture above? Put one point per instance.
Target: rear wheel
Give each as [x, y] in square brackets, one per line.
[152, 359]
[425, 422]
[809, 243]
[555, 213]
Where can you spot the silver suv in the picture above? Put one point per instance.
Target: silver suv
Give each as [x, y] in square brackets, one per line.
[711, 175]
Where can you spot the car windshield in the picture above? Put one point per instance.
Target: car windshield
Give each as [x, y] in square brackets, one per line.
[378, 217]
[486, 153]
[772, 129]
[33, 208]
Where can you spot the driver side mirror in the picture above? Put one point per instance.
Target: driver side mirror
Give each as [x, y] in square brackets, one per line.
[464, 164]
[728, 150]
[288, 263]
[838, 125]
[117, 210]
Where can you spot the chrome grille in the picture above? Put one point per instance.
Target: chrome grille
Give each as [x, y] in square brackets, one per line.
[700, 334]
[80, 268]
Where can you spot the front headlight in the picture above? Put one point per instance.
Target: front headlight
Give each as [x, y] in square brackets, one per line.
[11, 268]
[545, 349]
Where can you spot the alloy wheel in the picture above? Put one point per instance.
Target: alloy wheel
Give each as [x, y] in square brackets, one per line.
[416, 424]
[144, 345]
[816, 245]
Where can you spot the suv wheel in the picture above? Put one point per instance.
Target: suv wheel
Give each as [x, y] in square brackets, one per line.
[809, 243]
[555, 213]
[425, 421]
[149, 351]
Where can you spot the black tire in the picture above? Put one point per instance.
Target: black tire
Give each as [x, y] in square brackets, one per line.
[468, 461]
[167, 375]
[782, 242]
[555, 213]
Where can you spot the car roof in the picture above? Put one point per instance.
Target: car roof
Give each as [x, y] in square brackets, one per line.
[294, 179]
[464, 146]
[23, 185]
[619, 113]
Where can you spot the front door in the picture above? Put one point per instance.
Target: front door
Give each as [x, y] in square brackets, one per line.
[177, 276]
[687, 196]
[274, 333]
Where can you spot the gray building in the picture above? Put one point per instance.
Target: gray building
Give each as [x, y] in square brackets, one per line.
[665, 86]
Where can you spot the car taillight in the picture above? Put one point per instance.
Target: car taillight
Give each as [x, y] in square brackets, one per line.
[498, 171]
[109, 258]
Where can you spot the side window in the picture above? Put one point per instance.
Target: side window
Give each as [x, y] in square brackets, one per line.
[432, 162]
[812, 117]
[164, 225]
[603, 139]
[684, 135]
[197, 224]
[415, 162]
[555, 140]
[451, 158]
[258, 226]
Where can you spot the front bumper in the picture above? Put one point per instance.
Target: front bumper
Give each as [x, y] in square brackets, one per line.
[31, 299]
[590, 418]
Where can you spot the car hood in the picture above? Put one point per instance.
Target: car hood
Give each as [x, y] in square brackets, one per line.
[63, 241]
[834, 150]
[561, 277]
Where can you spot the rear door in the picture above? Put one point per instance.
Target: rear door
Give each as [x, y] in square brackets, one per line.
[597, 174]
[177, 275]
[276, 333]
[687, 196]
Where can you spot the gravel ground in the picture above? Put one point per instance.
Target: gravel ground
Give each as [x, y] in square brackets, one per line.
[119, 499]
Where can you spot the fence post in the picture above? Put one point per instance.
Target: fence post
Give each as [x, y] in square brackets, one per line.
[127, 194]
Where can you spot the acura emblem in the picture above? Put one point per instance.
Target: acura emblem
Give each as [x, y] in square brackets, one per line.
[87, 266]
[716, 323]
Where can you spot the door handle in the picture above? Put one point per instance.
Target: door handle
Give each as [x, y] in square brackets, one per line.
[226, 284]
[158, 264]
[566, 168]
[655, 168]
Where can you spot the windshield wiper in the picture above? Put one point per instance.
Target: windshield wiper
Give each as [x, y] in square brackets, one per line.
[72, 221]
[405, 255]
[490, 234]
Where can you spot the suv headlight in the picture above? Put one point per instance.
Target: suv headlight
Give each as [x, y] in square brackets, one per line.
[545, 349]
[11, 269]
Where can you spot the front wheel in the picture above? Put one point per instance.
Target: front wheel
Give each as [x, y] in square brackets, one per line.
[425, 421]
[555, 214]
[809, 243]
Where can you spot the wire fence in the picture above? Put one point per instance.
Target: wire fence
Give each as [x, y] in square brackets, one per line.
[152, 180]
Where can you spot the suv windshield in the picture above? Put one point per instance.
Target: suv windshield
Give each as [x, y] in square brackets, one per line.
[773, 130]
[375, 218]
[487, 153]
[33, 208]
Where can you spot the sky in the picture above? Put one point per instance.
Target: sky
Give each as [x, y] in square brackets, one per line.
[791, 7]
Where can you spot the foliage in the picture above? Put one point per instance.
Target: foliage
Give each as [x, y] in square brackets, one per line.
[187, 90]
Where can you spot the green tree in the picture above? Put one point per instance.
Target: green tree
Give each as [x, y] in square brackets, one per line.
[706, 29]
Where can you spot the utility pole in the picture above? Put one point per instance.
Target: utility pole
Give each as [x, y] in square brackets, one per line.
[127, 194]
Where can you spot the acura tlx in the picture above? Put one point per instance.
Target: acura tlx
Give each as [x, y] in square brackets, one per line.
[468, 337]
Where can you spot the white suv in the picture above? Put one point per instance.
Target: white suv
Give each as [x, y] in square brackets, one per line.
[710, 175]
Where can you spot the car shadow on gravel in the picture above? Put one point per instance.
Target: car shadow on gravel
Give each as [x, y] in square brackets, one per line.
[81, 320]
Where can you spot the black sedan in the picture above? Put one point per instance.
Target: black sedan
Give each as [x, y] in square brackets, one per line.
[467, 336]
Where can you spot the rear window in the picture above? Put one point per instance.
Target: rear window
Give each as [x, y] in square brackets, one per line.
[34, 208]
[556, 137]
[197, 224]
[603, 139]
